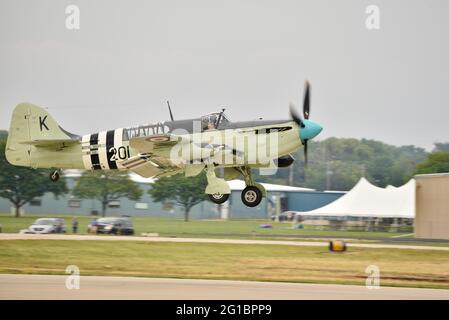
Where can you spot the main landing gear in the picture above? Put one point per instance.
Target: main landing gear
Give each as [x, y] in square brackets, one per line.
[219, 198]
[217, 188]
[54, 176]
[251, 196]
[253, 193]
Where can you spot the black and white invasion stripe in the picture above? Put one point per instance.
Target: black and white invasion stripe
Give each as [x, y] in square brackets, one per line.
[99, 149]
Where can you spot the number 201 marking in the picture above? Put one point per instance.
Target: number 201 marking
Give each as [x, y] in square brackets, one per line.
[119, 153]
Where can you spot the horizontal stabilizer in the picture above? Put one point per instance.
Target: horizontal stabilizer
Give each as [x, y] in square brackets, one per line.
[50, 142]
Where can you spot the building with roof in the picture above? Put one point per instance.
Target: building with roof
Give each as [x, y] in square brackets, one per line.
[279, 198]
[432, 206]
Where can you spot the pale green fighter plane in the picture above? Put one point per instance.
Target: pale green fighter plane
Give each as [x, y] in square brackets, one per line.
[185, 146]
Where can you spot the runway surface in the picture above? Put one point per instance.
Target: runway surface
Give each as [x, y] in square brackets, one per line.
[18, 236]
[54, 287]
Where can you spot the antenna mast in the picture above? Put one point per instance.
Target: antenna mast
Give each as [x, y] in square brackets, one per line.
[219, 117]
[169, 110]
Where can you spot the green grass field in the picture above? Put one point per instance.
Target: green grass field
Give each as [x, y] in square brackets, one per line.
[412, 268]
[203, 228]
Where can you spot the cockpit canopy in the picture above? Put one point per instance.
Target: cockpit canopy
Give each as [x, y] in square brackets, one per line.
[213, 120]
[208, 122]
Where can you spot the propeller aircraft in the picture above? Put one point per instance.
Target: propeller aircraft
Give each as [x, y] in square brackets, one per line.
[166, 148]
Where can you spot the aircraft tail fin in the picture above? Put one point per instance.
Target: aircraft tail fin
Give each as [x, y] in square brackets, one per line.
[31, 126]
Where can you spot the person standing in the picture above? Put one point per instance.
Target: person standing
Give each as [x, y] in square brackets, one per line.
[92, 227]
[75, 225]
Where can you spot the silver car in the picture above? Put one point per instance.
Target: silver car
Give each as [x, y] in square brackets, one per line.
[47, 225]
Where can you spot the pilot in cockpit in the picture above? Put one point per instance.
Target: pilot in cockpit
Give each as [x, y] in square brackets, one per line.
[209, 122]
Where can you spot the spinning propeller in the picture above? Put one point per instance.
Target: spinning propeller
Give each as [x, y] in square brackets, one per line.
[307, 129]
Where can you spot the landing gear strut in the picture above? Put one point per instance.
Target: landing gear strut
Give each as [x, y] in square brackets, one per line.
[54, 176]
[217, 188]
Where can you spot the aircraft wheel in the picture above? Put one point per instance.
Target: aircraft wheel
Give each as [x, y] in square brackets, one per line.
[251, 196]
[54, 176]
[219, 198]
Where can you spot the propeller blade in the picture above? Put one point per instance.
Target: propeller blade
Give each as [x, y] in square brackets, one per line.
[306, 104]
[295, 116]
[306, 158]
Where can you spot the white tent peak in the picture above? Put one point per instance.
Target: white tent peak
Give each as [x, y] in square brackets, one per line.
[365, 183]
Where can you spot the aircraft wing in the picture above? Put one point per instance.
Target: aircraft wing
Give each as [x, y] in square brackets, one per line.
[155, 143]
[215, 148]
[142, 165]
[152, 159]
[148, 166]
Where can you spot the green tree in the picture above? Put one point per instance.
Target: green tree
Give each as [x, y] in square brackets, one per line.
[106, 186]
[20, 185]
[184, 191]
[436, 162]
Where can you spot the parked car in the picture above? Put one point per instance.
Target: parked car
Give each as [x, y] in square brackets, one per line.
[284, 216]
[120, 225]
[47, 225]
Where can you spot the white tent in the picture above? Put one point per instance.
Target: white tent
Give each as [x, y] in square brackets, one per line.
[367, 200]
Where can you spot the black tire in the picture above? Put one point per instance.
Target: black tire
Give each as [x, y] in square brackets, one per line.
[251, 196]
[54, 176]
[219, 198]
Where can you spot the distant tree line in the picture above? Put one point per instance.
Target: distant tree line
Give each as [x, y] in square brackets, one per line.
[338, 163]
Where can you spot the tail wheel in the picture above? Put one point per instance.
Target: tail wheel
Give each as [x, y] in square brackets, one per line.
[54, 176]
[219, 198]
[251, 196]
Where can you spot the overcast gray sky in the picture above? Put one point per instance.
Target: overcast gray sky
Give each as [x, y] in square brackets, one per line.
[128, 57]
